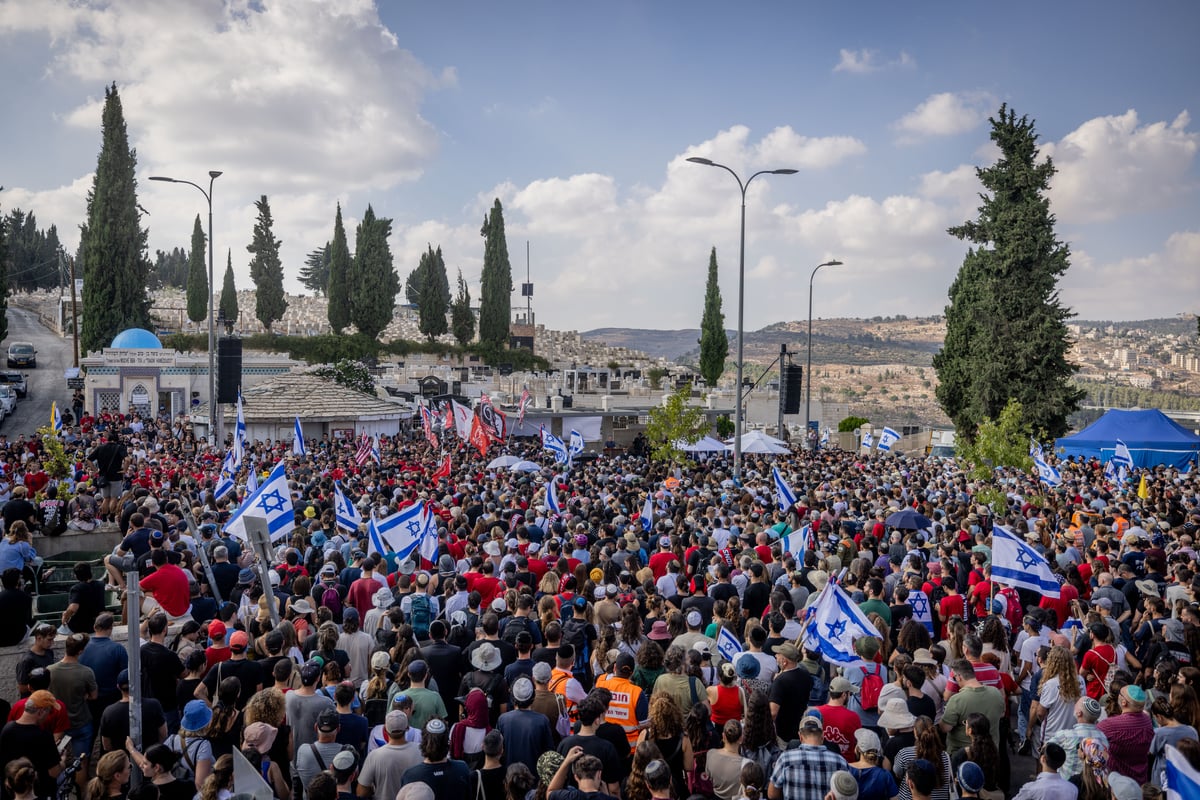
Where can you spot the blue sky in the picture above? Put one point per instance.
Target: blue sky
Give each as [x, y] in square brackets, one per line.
[579, 118]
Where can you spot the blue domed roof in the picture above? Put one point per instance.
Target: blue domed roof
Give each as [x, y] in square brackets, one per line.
[136, 339]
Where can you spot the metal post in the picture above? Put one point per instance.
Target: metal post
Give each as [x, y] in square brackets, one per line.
[74, 317]
[808, 362]
[133, 612]
[783, 354]
[260, 540]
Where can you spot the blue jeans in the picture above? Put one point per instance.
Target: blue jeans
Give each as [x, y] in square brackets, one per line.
[81, 740]
[1023, 712]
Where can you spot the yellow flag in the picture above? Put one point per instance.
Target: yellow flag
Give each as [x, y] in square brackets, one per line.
[1143, 490]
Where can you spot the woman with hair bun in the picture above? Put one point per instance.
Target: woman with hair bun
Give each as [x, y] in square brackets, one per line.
[20, 779]
[156, 766]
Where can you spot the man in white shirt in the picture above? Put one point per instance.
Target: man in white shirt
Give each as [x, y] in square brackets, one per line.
[383, 770]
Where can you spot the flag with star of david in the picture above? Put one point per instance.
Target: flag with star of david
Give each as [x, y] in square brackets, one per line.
[402, 532]
[345, 513]
[834, 622]
[919, 602]
[783, 492]
[1015, 563]
[271, 501]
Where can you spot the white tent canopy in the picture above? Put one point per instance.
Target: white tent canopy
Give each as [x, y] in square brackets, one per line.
[503, 461]
[706, 445]
[761, 443]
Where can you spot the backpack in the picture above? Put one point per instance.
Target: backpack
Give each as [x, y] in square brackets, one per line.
[1012, 607]
[1112, 668]
[574, 632]
[333, 601]
[872, 685]
[420, 615]
[185, 767]
[819, 694]
[514, 628]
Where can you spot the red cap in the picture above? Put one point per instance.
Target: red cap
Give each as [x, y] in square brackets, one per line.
[239, 640]
[216, 629]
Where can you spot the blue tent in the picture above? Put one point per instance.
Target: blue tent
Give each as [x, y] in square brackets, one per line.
[1152, 437]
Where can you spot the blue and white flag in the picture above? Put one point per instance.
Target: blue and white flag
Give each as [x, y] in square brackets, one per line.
[225, 483]
[376, 450]
[428, 548]
[825, 436]
[552, 506]
[344, 512]
[402, 532]
[1121, 455]
[647, 515]
[576, 444]
[921, 612]
[56, 422]
[239, 436]
[888, 438]
[783, 493]
[1047, 474]
[868, 440]
[298, 447]
[1110, 472]
[1188, 471]
[252, 481]
[271, 502]
[1122, 474]
[1014, 563]
[834, 622]
[727, 643]
[1183, 780]
[1035, 449]
[797, 542]
[555, 445]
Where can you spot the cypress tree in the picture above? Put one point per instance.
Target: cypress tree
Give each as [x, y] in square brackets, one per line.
[495, 291]
[229, 301]
[433, 305]
[197, 280]
[338, 293]
[714, 343]
[112, 242]
[314, 275]
[373, 282]
[412, 285]
[266, 270]
[462, 319]
[1006, 333]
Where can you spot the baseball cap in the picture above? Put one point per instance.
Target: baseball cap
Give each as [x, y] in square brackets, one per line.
[1123, 787]
[381, 660]
[123, 679]
[216, 629]
[327, 720]
[840, 685]
[812, 724]
[239, 640]
[396, 722]
[328, 570]
[310, 673]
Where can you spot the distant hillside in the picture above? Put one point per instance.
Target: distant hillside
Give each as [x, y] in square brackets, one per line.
[659, 344]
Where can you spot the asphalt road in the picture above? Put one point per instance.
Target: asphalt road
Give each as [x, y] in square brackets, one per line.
[46, 382]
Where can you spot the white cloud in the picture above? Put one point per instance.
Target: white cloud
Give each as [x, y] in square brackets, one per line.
[1126, 288]
[861, 62]
[783, 147]
[1111, 166]
[945, 114]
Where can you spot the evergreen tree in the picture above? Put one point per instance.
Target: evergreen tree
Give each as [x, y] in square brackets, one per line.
[229, 301]
[495, 289]
[412, 286]
[314, 275]
[374, 284]
[112, 241]
[714, 343]
[3, 284]
[1006, 333]
[462, 319]
[170, 269]
[338, 291]
[197, 279]
[266, 270]
[432, 306]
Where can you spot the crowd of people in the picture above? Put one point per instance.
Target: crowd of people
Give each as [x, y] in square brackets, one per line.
[579, 654]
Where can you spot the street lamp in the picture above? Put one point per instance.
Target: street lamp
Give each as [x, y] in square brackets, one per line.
[214, 417]
[737, 422]
[808, 367]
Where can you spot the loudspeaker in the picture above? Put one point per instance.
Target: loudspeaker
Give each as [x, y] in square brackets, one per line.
[790, 394]
[229, 369]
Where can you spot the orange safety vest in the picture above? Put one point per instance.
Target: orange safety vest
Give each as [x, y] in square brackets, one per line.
[623, 708]
[559, 678]
[1120, 526]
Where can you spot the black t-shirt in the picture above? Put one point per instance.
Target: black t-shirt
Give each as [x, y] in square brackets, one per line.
[225, 573]
[31, 661]
[922, 706]
[493, 783]
[614, 767]
[447, 779]
[573, 793]
[790, 691]
[758, 597]
[16, 615]
[110, 459]
[114, 722]
[248, 672]
[137, 543]
[162, 669]
[724, 591]
[176, 790]
[18, 509]
[89, 595]
[702, 603]
[30, 741]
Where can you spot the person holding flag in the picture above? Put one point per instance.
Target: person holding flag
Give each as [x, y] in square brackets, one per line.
[298, 448]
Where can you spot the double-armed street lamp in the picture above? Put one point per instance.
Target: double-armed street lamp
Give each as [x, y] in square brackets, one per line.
[214, 418]
[743, 186]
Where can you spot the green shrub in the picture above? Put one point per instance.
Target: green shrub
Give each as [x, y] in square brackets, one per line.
[850, 424]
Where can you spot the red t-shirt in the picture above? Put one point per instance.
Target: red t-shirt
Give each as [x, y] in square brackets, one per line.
[215, 655]
[1062, 603]
[659, 562]
[56, 723]
[1100, 659]
[840, 725]
[169, 585]
[952, 605]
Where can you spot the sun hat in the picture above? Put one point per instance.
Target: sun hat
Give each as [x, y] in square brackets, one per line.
[970, 776]
[843, 786]
[658, 631]
[486, 657]
[746, 666]
[302, 606]
[1148, 588]
[196, 716]
[260, 736]
[383, 598]
[896, 715]
[923, 657]
[246, 577]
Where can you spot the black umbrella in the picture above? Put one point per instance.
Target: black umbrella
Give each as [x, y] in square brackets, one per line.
[908, 520]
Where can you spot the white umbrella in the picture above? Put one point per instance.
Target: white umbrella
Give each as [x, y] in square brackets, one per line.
[500, 462]
[763, 447]
[706, 445]
[525, 466]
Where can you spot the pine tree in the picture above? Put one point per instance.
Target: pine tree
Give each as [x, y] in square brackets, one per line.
[412, 286]
[338, 291]
[229, 301]
[1006, 333]
[314, 275]
[462, 319]
[266, 270]
[197, 282]
[432, 305]
[495, 291]
[714, 343]
[112, 241]
[373, 282]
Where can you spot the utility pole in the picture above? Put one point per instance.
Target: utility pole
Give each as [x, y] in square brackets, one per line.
[74, 313]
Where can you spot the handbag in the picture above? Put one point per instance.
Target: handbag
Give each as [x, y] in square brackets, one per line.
[698, 779]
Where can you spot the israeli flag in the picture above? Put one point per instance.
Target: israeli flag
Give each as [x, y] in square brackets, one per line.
[576, 444]
[1188, 471]
[783, 493]
[1016, 564]
[834, 622]
[1035, 449]
[298, 448]
[252, 481]
[271, 502]
[1110, 472]
[1122, 474]
[825, 437]
[428, 548]
[344, 512]
[647, 515]
[552, 506]
[1046, 473]
[1121, 455]
[402, 532]
[555, 445]
[888, 438]
[921, 612]
[56, 423]
[225, 483]
[868, 440]
[376, 450]
[1183, 780]
[797, 542]
[727, 643]
[239, 436]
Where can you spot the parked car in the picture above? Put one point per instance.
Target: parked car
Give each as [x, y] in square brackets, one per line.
[8, 399]
[17, 381]
[22, 354]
